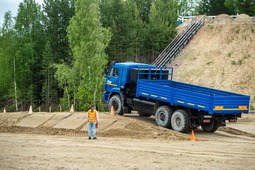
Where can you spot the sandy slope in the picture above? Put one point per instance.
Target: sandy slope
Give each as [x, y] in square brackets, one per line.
[221, 55]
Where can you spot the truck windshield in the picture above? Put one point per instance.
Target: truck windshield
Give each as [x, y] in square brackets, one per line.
[114, 72]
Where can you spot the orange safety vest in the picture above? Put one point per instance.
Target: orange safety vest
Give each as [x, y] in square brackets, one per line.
[92, 116]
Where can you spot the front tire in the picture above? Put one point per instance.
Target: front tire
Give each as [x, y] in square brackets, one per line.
[180, 121]
[163, 116]
[115, 101]
[210, 127]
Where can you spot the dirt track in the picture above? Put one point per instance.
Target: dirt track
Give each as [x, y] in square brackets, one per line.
[63, 152]
[59, 141]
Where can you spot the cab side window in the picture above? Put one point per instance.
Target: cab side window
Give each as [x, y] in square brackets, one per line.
[114, 72]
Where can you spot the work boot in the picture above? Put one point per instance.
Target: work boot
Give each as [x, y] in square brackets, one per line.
[94, 138]
[89, 137]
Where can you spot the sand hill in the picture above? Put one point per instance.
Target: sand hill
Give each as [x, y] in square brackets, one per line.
[221, 55]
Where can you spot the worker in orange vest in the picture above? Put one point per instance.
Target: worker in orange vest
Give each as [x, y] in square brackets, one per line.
[92, 118]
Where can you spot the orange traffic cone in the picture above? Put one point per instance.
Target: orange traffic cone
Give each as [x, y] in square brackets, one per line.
[192, 136]
[30, 110]
[4, 110]
[112, 111]
[72, 110]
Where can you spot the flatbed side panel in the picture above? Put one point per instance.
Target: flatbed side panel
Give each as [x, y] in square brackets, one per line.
[231, 105]
[154, 91]
[202, 90]
[191, 99]
[165, 93]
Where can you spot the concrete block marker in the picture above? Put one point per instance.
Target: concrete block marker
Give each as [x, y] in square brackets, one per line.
[73, 122]
[11, 118]
[56, 119]
[35, 120]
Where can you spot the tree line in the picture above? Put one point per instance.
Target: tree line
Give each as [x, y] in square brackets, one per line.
[55, 54]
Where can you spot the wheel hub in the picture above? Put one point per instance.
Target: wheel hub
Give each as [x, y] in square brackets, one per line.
[178, 122]
[162, 117]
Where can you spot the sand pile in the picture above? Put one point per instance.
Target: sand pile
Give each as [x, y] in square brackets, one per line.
[129, 126]
[220, 56]
[243, 19]
[221, 19]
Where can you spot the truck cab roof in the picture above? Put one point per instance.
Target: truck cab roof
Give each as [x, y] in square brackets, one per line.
[131, 65]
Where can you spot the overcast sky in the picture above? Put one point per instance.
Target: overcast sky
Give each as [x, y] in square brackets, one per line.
[11, 5]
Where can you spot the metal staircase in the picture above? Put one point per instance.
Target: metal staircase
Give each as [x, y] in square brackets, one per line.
[179, 42]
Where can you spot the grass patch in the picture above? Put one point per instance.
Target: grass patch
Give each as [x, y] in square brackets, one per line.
[210, 27]
[233, 62]
[240, 61]
[252, 29]
[246, 56]
[223, 72]
[237, 31]
[229, 54]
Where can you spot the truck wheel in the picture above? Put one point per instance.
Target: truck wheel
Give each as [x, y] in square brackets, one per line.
[116, 103]
[163, 116]
[180, 121]
[210, 127]
[144, 114]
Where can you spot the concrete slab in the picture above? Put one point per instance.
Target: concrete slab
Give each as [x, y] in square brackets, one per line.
[55, 119]
[72, 122]
[10, 118]
[34, 120]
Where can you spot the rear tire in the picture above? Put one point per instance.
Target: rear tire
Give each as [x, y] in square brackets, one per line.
[180, 121]
[163, 116]
[116, 103]
[144, 114]
[210, 127]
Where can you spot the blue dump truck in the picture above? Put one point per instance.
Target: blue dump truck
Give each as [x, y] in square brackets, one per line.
[150, 90]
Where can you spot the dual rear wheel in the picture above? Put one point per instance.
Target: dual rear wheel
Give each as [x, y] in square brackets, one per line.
[178, 120]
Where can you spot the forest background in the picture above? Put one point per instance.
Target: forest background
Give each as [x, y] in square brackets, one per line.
[55, 54]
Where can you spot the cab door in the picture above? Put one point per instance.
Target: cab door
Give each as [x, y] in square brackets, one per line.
[112, 79]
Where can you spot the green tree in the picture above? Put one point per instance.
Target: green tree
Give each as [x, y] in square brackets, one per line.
[231, 5]
[187, 7]
[7, 61]
[144, 8]
[88, 40]
[246, 7]
[161, 27]
[214, 7]
[113, 12]
[58, 15]
[48, 91]
[29, 47]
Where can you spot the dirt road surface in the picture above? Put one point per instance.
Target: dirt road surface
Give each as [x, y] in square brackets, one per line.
[26, 151]
[59, 141]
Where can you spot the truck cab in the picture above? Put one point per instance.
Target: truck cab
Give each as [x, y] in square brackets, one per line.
[118, 77]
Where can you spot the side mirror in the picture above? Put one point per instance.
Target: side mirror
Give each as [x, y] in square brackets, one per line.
[106, 71]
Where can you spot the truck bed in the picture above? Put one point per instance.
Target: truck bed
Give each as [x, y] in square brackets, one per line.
[193, 96]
